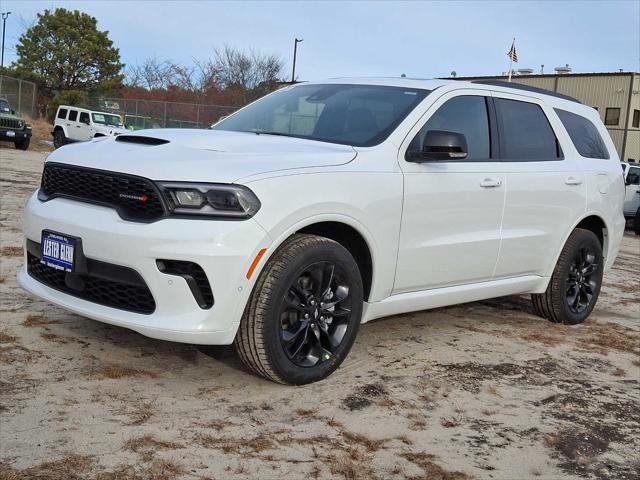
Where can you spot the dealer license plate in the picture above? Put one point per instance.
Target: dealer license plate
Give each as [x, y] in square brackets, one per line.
[58, 251]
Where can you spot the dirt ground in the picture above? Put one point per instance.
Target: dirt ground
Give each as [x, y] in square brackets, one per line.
[483, 390]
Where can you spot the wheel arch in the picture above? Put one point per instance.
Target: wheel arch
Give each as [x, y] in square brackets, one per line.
[60, 128]
[594, 222]
[353, 241]
[342, 229]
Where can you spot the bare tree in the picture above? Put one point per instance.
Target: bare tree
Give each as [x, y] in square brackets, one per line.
[152, 74]
[246, 70]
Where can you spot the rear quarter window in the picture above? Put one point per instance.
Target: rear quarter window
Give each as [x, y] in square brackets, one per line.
[525, 132]
[62, 113]
[583, 134]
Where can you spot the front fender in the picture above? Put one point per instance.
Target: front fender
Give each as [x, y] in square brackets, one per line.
[370, 203]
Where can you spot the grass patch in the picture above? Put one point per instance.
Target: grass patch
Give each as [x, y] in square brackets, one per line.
[11, 251]
[431, 469]
[39, 320]
[71, 467]
[117, 371]
[6, 338]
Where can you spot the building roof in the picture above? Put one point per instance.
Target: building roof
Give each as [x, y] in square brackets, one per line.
[543, 75]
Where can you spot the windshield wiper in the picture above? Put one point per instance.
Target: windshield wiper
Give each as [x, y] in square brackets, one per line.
[279, 134]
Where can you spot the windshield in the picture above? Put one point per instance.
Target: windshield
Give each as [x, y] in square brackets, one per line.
[4, 106]
[358, 115]
[107, 119]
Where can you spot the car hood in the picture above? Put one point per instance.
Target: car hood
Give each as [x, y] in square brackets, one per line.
[11, 116]
[201, 155]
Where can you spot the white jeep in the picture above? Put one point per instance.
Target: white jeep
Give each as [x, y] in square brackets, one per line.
[326, 205]
[73, 124]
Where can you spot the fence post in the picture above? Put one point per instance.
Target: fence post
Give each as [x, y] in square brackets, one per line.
[164, 123]
[19, 96]
[198, 116]
[34, 113]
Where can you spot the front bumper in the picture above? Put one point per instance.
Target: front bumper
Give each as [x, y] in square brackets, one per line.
[8, 135]
[224, 249]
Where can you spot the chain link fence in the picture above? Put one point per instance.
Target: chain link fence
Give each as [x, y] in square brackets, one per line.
[139, 114]
[21, 94]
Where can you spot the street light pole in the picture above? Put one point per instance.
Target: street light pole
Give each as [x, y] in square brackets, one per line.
[5, 15]
[295, 52]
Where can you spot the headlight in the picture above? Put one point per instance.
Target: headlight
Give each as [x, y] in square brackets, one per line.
[210, 199]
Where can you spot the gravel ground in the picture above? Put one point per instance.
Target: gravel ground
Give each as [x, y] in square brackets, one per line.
[481, 390]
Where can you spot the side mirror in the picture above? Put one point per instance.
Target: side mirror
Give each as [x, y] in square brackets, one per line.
[13, 112]
[440, 145]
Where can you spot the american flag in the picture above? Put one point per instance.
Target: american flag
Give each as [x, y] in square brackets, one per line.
[512, 53]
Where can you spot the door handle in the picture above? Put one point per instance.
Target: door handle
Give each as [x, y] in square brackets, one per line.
[490, 183]
[573, 181]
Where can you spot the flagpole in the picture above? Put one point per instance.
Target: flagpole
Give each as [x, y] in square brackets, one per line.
[511, 57]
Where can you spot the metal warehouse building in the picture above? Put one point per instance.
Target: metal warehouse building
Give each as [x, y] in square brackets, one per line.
[616, 97]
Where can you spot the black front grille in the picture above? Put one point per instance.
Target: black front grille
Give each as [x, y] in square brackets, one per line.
[129, 292]
[12, 123]
[134, 198]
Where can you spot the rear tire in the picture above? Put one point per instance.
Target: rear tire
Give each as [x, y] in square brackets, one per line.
[23, 144]
[575, 284]
[59, 139]
[636, 222]
[304, 312]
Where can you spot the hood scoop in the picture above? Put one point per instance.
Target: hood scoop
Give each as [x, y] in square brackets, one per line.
[141, 140]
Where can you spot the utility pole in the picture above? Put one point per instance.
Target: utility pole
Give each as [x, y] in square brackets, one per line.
[5, 15]
[295, 53]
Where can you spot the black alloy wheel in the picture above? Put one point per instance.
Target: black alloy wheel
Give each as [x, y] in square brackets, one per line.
[304, 312]
[580, 283]
[575, 284]
[315, 314]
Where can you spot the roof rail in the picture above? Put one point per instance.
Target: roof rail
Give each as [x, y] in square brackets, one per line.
[519, 86]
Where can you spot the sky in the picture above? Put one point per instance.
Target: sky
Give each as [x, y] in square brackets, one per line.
[367, 38]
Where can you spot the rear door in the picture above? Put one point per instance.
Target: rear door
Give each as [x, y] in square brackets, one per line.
[450, 232]
[545, 186]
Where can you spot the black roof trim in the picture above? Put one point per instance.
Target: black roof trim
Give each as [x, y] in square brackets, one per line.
[520, 86]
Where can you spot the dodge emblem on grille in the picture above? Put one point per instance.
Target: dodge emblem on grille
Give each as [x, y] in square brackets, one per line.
[141, 198]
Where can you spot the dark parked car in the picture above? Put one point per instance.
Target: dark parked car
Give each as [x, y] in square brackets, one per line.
[12, 127]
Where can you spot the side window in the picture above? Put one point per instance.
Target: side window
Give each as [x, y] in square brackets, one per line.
[466, 115]
[584, 135]
[84, 117]
[73, 115]
[635, 123]
[612, 116]
[525, 132]
[633, 177]
[62, 113]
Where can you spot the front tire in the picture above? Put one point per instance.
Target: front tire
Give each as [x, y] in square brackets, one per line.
[304, 312]
[575, 284]
[636, 222]
[23, 145]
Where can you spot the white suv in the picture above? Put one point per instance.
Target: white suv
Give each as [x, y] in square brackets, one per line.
[74, 124]
[631, 172]
[325, 205]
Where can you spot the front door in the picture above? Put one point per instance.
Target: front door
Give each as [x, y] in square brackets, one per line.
[450, 232]
[85, 132]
